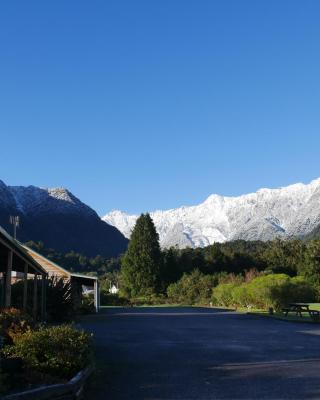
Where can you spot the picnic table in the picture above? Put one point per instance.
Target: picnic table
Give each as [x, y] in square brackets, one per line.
[299, 308]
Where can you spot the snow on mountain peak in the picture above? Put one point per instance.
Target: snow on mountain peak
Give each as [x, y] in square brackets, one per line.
[35, 200]
[60, 193]
[266, 214]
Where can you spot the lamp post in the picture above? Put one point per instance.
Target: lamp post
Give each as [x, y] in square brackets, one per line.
[15, 221]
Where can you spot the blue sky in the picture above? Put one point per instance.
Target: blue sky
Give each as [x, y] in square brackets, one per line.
[140, 105]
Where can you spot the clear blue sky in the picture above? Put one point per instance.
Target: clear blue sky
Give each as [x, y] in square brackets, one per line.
[141, 105]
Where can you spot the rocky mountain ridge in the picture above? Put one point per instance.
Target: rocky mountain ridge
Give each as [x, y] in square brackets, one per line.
[60, 220]
[292, 211]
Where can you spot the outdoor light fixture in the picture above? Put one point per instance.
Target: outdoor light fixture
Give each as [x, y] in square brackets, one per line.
[15, 221]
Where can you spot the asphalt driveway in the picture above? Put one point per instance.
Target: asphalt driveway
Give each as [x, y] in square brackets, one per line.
[197, 353]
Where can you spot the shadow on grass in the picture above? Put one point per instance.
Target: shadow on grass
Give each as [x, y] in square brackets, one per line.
[289, 318]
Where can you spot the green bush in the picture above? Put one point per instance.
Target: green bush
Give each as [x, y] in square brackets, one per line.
[150, 300]
[241, 296]
[59, 351]
[273, 290]
[193, 288]
[297, 290]
[111, 299]
[223, 294]
[260, 289]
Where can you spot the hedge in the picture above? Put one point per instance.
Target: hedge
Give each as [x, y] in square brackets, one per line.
[274, 290]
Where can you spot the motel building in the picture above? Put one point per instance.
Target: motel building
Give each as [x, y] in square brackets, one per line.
[20, 263]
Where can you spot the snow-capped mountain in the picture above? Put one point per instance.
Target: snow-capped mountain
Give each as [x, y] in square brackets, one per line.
[60, 220]
[291, 211]
[35, 200]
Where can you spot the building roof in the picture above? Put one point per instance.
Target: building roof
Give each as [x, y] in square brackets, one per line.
[53, 268]
[21, 253]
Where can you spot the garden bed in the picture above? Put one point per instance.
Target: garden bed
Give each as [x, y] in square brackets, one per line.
[42, 359]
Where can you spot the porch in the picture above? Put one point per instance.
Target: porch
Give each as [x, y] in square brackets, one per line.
[16, 263]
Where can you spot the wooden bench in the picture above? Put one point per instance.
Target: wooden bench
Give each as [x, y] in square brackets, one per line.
[297, 308]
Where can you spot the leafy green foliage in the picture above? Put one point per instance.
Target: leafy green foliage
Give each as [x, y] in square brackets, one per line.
[76, 262]
[310, 264]
[150, 300]
[110, 299]
[276, 290]
[219, 258]
[291, 257]
[223, 294]
[225, 261]
[141, 264]
[60, 351]
[193, 288]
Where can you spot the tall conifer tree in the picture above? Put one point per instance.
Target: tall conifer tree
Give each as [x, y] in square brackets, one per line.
[141, 264]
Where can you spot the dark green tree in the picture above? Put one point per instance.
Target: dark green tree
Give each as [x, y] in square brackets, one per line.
[310, 267]
[141, 264]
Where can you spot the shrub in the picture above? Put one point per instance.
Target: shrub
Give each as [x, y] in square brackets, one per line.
[193, 288]
[230, 278]
[260, 289]
[60, 351]
[295, 290]
[14, 322]
[223, 294]
[241, 296]
[273, 290]
[111, 299]
[148, 300]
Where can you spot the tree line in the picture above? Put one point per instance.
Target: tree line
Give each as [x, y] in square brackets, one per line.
[147, 270]
[76, 262]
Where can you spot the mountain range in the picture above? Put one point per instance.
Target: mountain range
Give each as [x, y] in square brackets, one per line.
[288, 212]
[60, 220]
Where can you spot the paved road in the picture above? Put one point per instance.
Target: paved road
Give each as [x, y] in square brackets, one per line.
[194, 353]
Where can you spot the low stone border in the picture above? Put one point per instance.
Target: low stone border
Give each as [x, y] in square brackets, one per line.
[71, 390]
